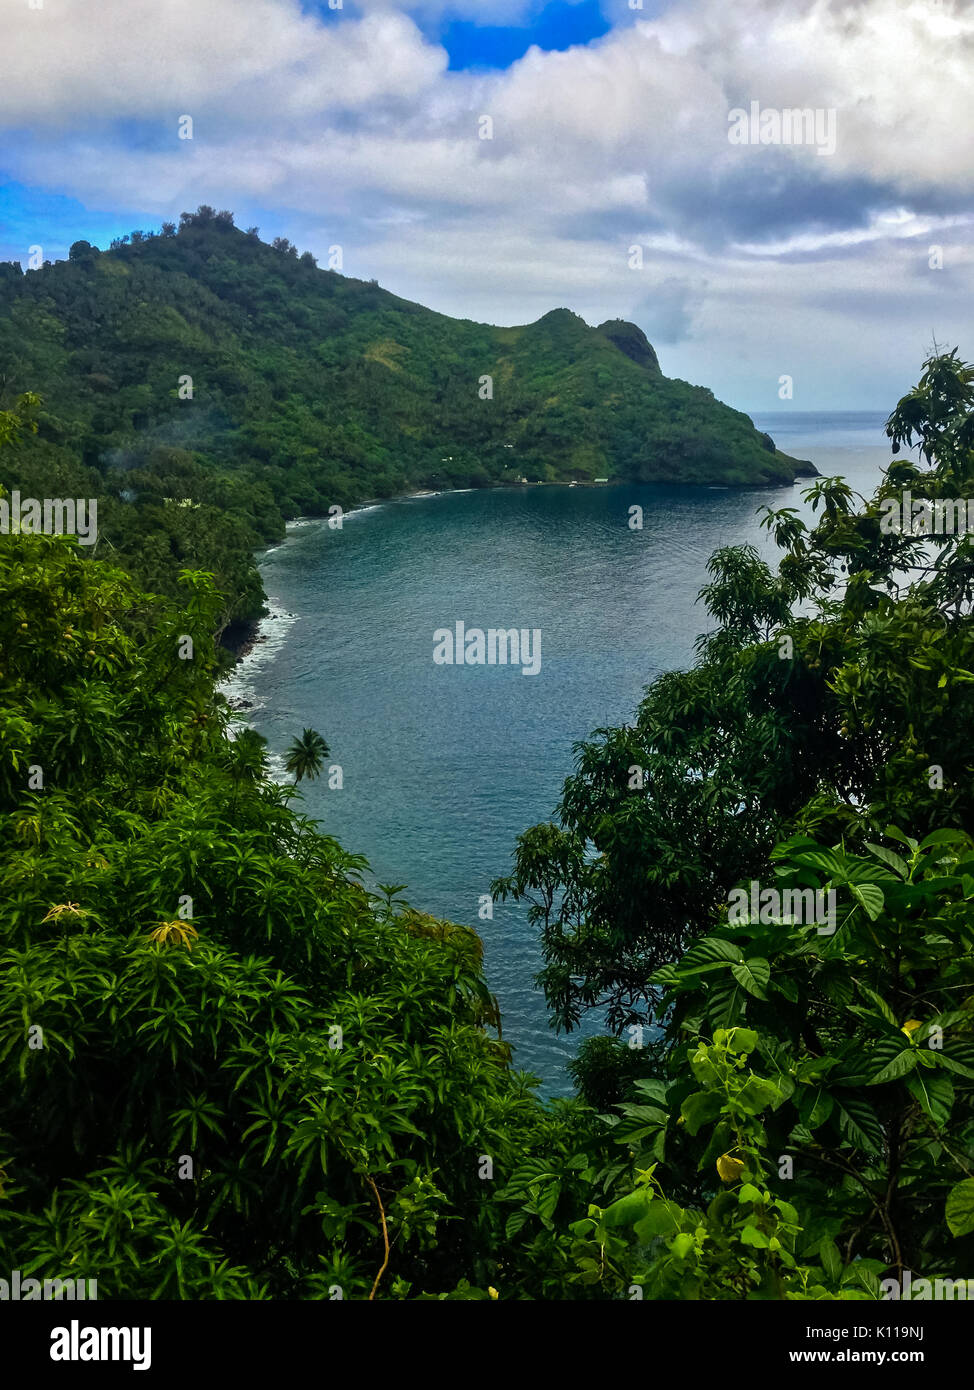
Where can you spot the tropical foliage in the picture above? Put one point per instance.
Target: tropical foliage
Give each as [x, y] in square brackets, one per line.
[230, 1070]
[206, 386]
[227, 1069]
[819, 746]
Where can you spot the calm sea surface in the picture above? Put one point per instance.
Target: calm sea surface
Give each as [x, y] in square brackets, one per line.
[444, 765]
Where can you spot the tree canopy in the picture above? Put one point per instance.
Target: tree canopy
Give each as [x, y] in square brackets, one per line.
[206, 387]
[229, 1070]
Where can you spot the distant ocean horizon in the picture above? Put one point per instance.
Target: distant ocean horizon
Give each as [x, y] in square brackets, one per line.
[834, 428]
[443, 767]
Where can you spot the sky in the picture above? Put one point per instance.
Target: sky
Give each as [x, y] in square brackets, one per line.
[495, 159]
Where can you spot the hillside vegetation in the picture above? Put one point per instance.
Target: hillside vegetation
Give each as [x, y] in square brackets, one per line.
[202, 366]
[228, 1070]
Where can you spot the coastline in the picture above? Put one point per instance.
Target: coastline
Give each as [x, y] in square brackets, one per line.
[242, 637]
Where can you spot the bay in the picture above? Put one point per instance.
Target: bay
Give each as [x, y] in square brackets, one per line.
[443, 766]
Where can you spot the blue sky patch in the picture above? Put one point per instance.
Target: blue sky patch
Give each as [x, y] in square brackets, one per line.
[34, 217]
[558, 26]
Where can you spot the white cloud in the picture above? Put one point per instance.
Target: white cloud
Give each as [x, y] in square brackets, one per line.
[351, 128]
[260, 62]
[896, 71]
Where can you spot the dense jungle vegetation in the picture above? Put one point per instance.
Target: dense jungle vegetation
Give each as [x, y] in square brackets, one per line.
[206, 386]
[229, 1071]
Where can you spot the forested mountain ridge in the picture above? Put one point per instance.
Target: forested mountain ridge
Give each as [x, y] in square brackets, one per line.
[202, 365]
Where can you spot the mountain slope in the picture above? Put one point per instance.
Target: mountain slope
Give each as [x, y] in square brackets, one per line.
[203, 365]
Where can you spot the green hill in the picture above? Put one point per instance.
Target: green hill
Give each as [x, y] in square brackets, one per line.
[201, 365]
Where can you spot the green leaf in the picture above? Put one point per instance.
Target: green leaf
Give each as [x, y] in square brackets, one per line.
[666, 977]
[710, 951]
[934, 1094]
[639, 1122]
[661, 1218]
[725, 1003]
[960, 1208]
[700, 1108]
[548, 1200]
[824, 859]
[888, 857]
[957, 1057]
[681, 1245]
[814, 1067]
[628, 1209]
[892, 833]
[943, 837]
[752, 1236]
[742, 1041]
[785, 985]
[653, 1088]
[861, 1273]
[514, 1223]
[870, 897]
[815, 1105]
[859, 1123]
[753, 975]
[757, 1094]
[650, 1115]
[898, 1066]
[880, 1003]
[828, 1253]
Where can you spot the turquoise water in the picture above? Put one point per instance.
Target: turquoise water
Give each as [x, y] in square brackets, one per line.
[444, 765]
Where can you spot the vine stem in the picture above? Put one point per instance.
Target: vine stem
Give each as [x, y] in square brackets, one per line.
[385, 1236]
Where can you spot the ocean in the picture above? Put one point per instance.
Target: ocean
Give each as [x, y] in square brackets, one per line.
[443, 766]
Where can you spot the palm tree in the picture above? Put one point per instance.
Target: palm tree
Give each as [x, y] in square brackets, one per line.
[306, 755]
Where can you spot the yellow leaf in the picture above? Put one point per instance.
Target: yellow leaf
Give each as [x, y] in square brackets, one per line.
[176, 933]
[729, 1168]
